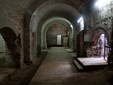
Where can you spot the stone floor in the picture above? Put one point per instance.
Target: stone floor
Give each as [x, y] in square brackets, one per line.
[58, 69]
[11, 76]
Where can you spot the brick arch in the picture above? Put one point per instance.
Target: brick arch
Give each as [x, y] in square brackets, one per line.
[52, 21]
[97, 32]
[54, 28]
[31, 12]
[9, 37]
[8, 34]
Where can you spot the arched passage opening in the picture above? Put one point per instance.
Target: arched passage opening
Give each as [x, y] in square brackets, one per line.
[52, 21]
[84, 39]
[95, 51]
[55, 35]
[11, 52]
[3, 52]
[36, 16]
[100, 43]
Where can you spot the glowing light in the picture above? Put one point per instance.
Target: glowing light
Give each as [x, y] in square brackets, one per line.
[80, 19]
[81, 22]
[71, 26]
[101, 3]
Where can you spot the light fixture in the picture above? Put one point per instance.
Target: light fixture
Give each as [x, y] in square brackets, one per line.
[71, 26]
[81, 22]
[101, 3]
[80, 19]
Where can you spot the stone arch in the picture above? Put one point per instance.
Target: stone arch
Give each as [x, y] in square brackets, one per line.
[50, 22]
[54, 31]
[100, 42]
[101, 30]
[38, 15]
[10, 36]
[84, 40]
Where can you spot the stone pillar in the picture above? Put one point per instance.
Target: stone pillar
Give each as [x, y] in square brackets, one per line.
[110, 56]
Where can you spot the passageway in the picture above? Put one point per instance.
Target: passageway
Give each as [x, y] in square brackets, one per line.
[33, 31]
[58, 69]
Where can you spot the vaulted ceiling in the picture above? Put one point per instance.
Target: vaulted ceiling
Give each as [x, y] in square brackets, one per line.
[42, 10]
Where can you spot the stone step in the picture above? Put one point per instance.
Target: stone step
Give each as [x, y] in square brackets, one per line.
[78, 66]
[89, 64]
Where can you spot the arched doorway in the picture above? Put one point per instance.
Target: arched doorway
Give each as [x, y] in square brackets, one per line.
[83, 41]
[3, 52]
[100, 41]
[35, 18]
[65, 24]
[11, 52]
[96, 50]
[57, 35]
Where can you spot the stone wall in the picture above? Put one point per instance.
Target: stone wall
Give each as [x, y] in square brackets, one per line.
[12, 15]
[102, 17]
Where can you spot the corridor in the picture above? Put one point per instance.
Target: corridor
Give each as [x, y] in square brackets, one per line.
[58, 69]
[29, 27]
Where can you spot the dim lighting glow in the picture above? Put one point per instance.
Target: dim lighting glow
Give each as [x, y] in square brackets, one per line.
[80, 19]
[81, 22]
[71, 26]
[101, 3]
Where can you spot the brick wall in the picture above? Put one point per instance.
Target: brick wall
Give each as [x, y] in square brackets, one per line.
[53, 31]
